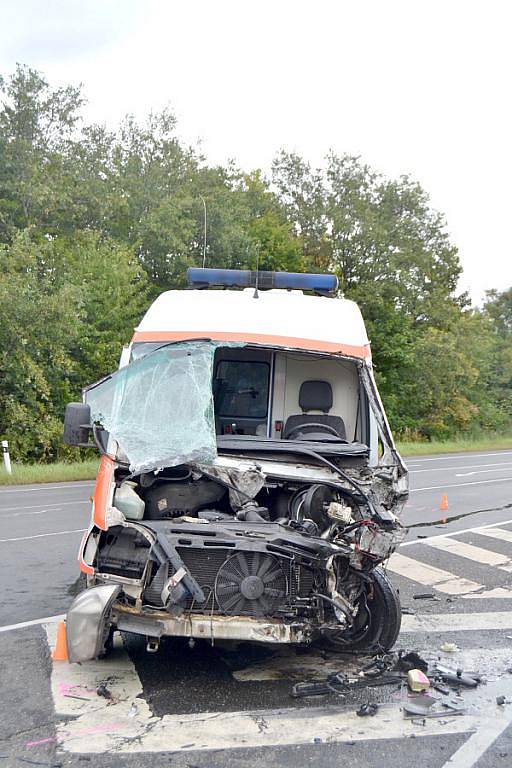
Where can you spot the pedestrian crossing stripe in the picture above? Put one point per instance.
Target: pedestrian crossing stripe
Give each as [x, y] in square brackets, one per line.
[502, 534]
[471, 552]
[449, 583]
[430, 576]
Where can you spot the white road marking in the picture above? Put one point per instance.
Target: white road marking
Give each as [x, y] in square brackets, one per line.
[44, 487]
[428, 576]
[502, 534]
[477, 529]
[461, 485]
[479, 472]
[461, 456]
[459, 622]
[33, 622]
[42, 535]
[490, 727]
[470, 466]
[91, 724]
[46, 506]
[470, 552]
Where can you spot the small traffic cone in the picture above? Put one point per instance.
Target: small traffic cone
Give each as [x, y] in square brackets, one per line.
[60, 652]
[444, 503]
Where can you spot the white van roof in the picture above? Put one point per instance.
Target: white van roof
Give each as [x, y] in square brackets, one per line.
[277, 318]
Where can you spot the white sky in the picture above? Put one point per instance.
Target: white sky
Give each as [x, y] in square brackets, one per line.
[414, 86]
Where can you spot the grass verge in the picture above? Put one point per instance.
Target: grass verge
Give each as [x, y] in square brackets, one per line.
[493, 442]
[23, 474]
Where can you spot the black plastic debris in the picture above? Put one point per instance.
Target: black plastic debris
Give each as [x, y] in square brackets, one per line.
[411, 660]
[423, 596]
[457, 677]
[501, 700]
[367, 710]
[104, 692]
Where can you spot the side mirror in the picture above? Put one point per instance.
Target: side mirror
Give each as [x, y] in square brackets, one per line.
[77, 424]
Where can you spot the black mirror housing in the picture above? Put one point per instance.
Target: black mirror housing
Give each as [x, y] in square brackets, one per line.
[77, 424]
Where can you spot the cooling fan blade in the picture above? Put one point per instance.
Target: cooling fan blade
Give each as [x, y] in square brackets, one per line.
[250, 583]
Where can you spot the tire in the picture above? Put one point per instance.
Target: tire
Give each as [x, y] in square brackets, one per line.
[380, 626]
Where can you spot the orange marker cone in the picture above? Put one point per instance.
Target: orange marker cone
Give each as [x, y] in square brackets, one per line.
[60, 652]
[444, 503]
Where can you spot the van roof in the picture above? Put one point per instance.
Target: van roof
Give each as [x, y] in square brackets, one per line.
[277, 318]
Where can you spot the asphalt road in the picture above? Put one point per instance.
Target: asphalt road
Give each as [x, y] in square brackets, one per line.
[231, 706]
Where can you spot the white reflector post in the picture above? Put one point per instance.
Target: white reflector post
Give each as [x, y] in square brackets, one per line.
[7, 458]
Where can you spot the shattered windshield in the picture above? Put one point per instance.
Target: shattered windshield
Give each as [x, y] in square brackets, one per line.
[159, 408]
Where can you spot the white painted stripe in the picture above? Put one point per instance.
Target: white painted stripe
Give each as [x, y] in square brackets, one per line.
[461, 485]
[469, 466]
[91, 725]
[478, 472]
[42, 535]
[477, 529]
[489, 728]
[470, 552]
[33, 622]
[428, 576]
[502, 534]
[46, 506]
[461, 456]
[458, 622]
[43, 487]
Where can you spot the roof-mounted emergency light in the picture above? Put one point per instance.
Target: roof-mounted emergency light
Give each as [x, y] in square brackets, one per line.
[246, 278]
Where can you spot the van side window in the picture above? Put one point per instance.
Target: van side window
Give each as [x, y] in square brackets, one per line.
[241, 389]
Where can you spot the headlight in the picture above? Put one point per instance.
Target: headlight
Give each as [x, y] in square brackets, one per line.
[87, 624]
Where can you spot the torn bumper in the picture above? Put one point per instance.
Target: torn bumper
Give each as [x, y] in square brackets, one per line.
[209, 627]
[88, 622]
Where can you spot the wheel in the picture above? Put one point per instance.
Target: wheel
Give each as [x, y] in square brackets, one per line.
[378, 622]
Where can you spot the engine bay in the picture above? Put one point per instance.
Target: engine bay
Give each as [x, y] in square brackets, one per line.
[224, 541]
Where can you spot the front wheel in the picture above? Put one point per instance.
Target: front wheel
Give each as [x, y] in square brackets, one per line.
[377, 624]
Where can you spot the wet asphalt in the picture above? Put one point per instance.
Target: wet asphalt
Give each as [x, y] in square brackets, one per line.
[41, 530]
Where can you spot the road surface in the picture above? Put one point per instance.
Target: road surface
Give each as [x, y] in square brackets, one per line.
[213, 707]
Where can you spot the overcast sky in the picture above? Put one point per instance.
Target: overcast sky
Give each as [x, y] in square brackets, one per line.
[416, 86]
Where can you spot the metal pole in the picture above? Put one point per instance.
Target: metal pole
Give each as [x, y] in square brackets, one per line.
[204, 233]
[7, 458]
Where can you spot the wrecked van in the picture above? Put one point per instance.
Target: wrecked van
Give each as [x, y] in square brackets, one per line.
[249, 488]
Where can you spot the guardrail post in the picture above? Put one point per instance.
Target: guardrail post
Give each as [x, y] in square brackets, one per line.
[7, 458]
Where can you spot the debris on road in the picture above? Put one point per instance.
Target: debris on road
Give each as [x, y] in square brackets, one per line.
[417, 680]
[423, 596]
[457, 676]
[449, 647]
[367, 710]
[104, 692]
[411, 660]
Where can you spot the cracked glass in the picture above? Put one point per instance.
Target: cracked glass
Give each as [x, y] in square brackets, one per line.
[159, 408]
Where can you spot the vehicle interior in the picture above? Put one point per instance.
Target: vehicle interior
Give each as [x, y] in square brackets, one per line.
[288, 396]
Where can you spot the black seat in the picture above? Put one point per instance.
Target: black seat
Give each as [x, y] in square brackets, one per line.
[314, 396]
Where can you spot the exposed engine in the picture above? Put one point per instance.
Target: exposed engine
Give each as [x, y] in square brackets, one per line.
[227, 542]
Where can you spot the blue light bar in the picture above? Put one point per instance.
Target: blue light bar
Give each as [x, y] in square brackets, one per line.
[245, 278]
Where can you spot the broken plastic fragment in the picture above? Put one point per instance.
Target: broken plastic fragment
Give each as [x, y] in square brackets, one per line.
[417, 680]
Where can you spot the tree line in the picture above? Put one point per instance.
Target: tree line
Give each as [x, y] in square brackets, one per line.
[94, 223]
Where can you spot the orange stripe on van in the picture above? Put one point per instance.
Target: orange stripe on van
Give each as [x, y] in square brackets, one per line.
[313, 345]
[102, 491]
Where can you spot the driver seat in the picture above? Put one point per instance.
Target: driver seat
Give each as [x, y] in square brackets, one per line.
[316, 396]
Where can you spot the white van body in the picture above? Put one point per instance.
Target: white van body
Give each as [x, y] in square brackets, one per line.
[302, 477]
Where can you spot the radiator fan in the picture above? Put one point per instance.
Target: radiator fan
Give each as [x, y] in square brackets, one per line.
[250, 583]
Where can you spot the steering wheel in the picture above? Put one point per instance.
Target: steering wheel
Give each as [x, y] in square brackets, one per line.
[323, 428]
